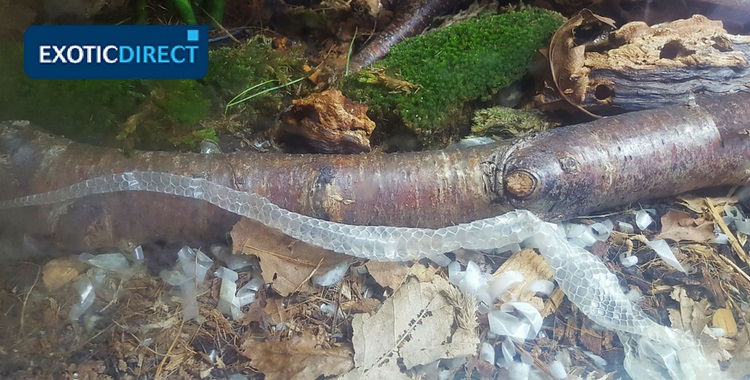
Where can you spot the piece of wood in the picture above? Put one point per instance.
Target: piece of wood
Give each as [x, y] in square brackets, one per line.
[411, 19]
[667, 64]
[556, 174]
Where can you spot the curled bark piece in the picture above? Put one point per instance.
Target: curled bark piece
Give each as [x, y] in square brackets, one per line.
[556, 174]
[567, 50]
[326, 122]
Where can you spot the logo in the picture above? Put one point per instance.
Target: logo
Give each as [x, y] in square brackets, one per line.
[116, 52]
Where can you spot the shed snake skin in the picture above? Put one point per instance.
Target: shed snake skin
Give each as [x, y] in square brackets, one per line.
[583, 277]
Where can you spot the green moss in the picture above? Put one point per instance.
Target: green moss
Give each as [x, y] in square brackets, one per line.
[232, 70]
[454, 65]
[507, 122]
[88, 109]
[182, 101]
[151, 114]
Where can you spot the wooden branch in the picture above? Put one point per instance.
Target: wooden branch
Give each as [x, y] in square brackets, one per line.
[665, 65]
[412, 18]
[557, 174]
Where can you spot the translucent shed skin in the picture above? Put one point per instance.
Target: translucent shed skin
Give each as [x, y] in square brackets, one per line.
[567, 172]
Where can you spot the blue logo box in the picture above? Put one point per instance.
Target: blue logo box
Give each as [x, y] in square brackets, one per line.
[116, 51]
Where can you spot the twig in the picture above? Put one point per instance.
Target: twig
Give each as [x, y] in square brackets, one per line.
[735, 267]
[26, 299]
[309, 276]
[411, 19]
[736, 246]
[223, 29]
[166, 354]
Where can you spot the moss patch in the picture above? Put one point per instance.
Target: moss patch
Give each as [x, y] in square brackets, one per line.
[151, 114]
[232, 70]
[451, 66]
[507, 122]
[76, 108]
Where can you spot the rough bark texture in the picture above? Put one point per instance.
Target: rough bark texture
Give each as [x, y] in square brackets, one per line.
[665, 65]
[325, 122]
[421, 189]
[557, 174]
[639, 155]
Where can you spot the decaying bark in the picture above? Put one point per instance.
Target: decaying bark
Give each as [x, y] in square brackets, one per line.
[643, 67]
[567, 52]
[735, 14]
[556, 174]
[325, 122]
[667, 64]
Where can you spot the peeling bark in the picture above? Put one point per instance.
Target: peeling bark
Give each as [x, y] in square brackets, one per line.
[557, 174]
[325, 122]
[645, 67]
[666, 65]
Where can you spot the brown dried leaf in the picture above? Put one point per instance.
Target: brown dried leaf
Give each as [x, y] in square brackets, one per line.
[276, 311]
[62, 271]
[681, 226]
[414, 327]
[724, 319]
[285, 262]
[596, 340]
[393, 274]
[533, 267]
[297, 358]
[257, 312]
[484, 369]
[567, 50]
[692, 316]
[365, 305]
[697, 204]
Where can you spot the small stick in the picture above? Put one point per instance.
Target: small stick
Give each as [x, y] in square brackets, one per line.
[412, 18]
[736, 246]
[166, 354]
[26, 299]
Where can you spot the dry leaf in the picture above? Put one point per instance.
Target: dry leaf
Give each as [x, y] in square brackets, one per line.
[365, 305]
[533, 267]
[285, 262]
[724, 319]
[393, 274]
[693, 316]
[414, 327]
[697, 204]
[276, 311]
[681, 226]
[567, 50]
[297, 358]
[716, 349]
[740, 366]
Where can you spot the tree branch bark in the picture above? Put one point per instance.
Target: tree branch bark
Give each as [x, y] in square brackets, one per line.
[557, 174]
